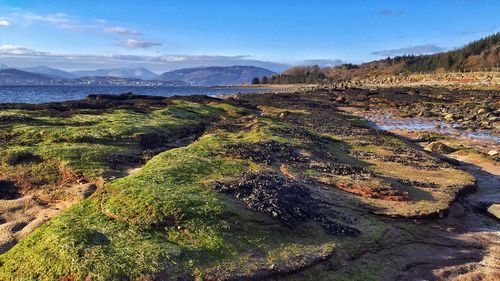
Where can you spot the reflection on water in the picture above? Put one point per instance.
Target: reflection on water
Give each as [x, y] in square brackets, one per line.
[389, 122]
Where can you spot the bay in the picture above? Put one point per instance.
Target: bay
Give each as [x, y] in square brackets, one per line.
[43, 94]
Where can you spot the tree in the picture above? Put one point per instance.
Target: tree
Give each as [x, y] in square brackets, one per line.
[255, 80]
[264, 80]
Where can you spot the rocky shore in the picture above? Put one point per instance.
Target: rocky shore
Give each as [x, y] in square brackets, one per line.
[453, 80]
[269, 186]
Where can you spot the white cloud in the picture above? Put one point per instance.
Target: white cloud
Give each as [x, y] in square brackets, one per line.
[73, 23]
[12, 50]
[199, 58]
[122, 31]
[58, 20]
[135, 44]
[4, 22]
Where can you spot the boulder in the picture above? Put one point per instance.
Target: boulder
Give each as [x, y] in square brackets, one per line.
[439, 147]
[340, 99]
[424, 137]
[494, 210]
[493, 152]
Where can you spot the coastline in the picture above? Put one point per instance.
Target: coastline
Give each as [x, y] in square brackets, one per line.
[322, 153]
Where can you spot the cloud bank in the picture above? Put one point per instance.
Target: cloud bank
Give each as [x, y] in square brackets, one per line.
[410, 50]
[322, 62]
[134, 44]
[19, 56]
[122, 31]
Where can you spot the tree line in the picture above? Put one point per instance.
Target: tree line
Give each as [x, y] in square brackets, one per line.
[483, 54]
[295, 75]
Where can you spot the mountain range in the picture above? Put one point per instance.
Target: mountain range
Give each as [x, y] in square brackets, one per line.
[10, 76]
[215, 75]
[201, 76]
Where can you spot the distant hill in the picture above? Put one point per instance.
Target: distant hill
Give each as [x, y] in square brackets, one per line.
[3, 66]
[139, 72]
[203, 76]
[215, 75]
[50, 72]
[12, 76]
[475, 56]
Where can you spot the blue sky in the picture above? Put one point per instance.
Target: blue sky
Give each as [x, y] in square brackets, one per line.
[164, 35]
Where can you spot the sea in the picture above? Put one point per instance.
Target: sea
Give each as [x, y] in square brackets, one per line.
[44, 94]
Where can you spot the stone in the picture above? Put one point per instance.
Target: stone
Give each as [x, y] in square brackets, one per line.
[439, 147]
[449, 116]
[481, 111]
[425, 113]
[493, 153]
[340, 99]
[284, 114]
[494, 210]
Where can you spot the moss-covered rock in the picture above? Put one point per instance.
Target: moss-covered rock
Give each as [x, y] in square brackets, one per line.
[250, 196]
[439, 147]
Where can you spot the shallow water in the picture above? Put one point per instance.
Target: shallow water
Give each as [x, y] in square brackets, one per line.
[389, 122]
[42, 94]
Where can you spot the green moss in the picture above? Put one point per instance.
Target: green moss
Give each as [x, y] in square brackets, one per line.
[163, 218]
[182, 171]
[359, 123]
[18, 155]
[84, 242]
[81, 140]
[393, 140]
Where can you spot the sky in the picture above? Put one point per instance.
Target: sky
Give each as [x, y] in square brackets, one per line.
[172, 34]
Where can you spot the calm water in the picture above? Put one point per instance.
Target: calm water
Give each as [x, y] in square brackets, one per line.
[389, 122]
[41, 94]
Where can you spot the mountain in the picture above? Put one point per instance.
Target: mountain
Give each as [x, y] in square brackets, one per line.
[12, 76]
[138, 72]
[215, 75]
[50, 72]
[3, 66]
